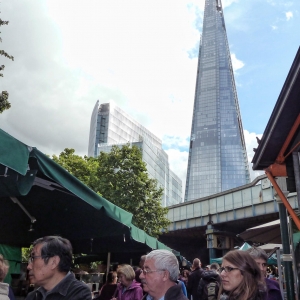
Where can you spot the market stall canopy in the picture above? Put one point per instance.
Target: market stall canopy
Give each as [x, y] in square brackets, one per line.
[265, 233]
[268, 233]
[269, 247]
[38, 197]
[271, 260]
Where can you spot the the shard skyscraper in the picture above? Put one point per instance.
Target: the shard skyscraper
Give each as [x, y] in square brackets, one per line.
[217, 155]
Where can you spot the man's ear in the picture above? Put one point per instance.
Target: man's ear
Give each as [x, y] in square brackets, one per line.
[54, 261]
[166, 275]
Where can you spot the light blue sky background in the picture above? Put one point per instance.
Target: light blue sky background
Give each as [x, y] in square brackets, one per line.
[142, 55]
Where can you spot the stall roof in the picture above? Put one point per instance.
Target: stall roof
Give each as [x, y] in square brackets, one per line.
[36, 193]
[283, 117]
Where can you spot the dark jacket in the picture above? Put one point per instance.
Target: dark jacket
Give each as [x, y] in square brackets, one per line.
[134, 292]
[107, 292]
[273, 288]
[173, 293]
[193, 282]
[260, 295]
[11, 295]
[207, 277]
[68, 289]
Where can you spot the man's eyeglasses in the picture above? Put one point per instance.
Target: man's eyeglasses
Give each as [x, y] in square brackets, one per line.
[226, 269]
[145, 271]
[32, 258]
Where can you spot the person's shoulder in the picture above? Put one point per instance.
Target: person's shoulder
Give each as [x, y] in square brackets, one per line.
[210, 275]
[175, 293]
[79, 290]
[196, 271]
[31, 295]
[135, 285]
[272, 284]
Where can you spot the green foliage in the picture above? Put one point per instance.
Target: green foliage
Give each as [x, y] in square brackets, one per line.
[4, 103]
[26, 253]
[121, 177]
[125, 182]
[83, 168]
[94, 264]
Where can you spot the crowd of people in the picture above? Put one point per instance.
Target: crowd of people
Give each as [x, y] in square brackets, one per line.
[242, 276]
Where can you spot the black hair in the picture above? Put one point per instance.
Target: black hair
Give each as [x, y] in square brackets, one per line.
[56, 246]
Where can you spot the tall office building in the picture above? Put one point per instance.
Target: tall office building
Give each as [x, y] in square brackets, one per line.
[112, 126]
[217, 155]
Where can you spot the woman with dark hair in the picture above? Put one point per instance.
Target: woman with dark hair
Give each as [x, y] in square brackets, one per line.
[109, 289]
[241, 278]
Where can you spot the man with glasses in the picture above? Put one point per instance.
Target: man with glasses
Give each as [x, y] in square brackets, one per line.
[159, 276]
[261, 258]
[49, 268]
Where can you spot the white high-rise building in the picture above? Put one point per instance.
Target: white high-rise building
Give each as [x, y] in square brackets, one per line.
[112, 126]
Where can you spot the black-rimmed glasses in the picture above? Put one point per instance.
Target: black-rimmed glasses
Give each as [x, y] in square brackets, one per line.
[33, 257]
[226, 269]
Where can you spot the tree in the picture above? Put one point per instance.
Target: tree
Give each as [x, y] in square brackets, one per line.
[83, 168]
[4, 103]
[125, 182]
[121, 177]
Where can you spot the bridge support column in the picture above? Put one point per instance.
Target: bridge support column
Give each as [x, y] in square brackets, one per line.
[211, 240]
[212, 253]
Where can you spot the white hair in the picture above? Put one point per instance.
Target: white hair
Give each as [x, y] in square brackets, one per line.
[165, 260]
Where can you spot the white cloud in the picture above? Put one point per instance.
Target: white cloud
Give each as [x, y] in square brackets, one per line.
[251, 142]
[175, 141]
[236, 63]
[226, 3]
[274, 27]
[178, 161]
[134, 53]
[288, 15]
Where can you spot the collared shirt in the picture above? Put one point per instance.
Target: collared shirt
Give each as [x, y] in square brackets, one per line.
[57, 288]
[151, 298]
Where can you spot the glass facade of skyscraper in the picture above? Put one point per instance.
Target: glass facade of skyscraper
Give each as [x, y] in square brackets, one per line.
[217, 155]
[112, 126]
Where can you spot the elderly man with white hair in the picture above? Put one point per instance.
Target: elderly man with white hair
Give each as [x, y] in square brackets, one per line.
[159, 276]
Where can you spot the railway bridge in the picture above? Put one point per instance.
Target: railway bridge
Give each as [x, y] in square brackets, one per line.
[215, 221]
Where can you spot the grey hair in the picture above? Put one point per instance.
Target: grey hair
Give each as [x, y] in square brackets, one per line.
[165, 260]
[257, 253]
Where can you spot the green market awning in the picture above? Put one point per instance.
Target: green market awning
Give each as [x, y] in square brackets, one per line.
[36, 193]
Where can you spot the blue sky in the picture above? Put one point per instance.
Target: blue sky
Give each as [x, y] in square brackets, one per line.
[140, 54]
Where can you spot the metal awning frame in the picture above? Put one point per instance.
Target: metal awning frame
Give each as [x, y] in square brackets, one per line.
[278, 169]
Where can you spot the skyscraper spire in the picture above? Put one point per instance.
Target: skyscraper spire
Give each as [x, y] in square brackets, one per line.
[217, 156]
